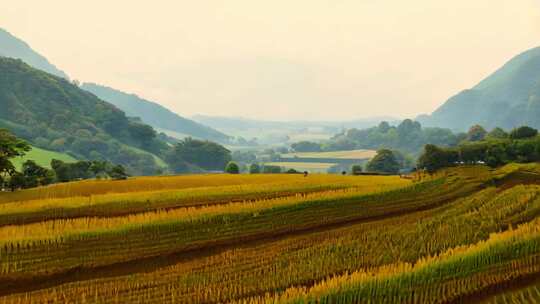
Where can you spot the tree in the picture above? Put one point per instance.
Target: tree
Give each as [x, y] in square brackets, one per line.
[118, 172]
[142, 133]
[204, 154]
[523, 132]
[232, 168]
[384, 162]
[17, 181]
[99, 168]
[434, 158]
[36, 175]
[408, 127]
[356, 169]
[10, 147]
[384, 127]
[476, 133]
[254, 169]
[306, 146]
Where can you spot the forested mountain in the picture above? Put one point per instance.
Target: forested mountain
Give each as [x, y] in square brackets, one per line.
[154, 114]
[54, 114]
[508, 98]
[150, 112]
[11, 46]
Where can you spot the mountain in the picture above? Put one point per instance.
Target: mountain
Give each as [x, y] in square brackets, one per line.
[155, 114]
[150, 112]
[13, 47]
[54, 114]
[508, 98]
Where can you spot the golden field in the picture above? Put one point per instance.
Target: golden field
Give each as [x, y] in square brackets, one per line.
[464, 234]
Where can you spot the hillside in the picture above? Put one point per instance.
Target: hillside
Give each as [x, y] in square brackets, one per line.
[54, 114]
[508, 98]
[42, 157]
[461, 236]
[154, 114]
[13, 47]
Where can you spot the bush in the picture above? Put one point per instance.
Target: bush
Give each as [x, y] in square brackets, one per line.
[356, 169]
[232, 168]
[118, 172]
[254, 169]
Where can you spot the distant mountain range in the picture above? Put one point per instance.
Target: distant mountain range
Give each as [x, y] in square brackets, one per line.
[149, 112]
[269, 132]
[11, 46]
[155, 114]
[238, 123]
[508, 98]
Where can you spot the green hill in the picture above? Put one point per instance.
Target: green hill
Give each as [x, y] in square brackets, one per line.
[11, 46]
[154, 114]
[508, 98]
[53, 114]
[42, 157]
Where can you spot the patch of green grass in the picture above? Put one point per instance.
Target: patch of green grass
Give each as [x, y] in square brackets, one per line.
[42, 157]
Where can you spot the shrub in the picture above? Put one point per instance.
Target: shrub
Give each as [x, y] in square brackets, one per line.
[232, 168]
[356, 169]
[254, 169]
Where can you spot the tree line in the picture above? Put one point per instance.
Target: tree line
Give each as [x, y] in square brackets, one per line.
[494, 149]
[32, 174]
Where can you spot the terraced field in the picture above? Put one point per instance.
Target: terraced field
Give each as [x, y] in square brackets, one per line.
[467, 234]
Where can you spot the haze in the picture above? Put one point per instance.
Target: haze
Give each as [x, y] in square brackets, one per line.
[304, 59]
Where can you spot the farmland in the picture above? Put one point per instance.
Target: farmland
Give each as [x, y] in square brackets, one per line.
[464, 234]
[301, 166]
[353, 154]
[323, 162]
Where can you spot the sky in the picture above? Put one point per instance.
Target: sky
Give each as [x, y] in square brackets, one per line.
[280, 59]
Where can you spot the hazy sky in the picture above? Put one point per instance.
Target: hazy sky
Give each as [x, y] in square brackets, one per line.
[280, 59]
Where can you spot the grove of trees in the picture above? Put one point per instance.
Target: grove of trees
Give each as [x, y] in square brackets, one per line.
[191, 155]
[522, 146]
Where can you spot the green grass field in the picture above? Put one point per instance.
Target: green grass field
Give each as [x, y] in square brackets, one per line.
[463, 235]
[42, 157]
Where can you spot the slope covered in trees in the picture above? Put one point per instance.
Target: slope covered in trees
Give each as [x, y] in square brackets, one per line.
[11, 46]
[54, 114]
[508, 98]
[154, 114]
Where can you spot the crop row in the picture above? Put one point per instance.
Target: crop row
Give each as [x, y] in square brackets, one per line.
[300, 260]
[119, 204]
[447, 277]
[58, 245]
[145, 184]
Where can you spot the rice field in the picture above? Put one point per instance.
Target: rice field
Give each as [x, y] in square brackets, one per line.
[466, 234]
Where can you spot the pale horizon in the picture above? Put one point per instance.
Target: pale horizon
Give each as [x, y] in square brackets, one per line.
[284, 60]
